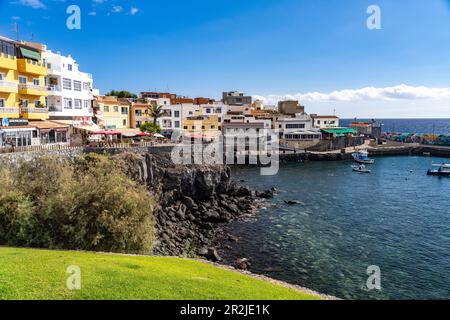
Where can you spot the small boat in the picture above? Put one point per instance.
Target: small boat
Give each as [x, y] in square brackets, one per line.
[363, 157]
[361, 168]
[440, 170]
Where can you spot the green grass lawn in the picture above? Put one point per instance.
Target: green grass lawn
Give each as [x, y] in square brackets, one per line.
[41, 274]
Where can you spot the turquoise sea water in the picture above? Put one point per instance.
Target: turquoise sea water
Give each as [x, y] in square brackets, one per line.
[397, 218]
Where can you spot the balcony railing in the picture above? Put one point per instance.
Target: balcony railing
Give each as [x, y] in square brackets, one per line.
[23, 86]
[4, 83]
[34, 110]
[4, 110]
[55, 109]
[54, 88]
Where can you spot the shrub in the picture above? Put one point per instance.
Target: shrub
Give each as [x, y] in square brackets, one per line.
[87, 204]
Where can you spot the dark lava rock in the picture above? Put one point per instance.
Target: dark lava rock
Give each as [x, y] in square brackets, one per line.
[232, 238]
[293, 202]
[210, 254]
[268, 194]
[243, 264]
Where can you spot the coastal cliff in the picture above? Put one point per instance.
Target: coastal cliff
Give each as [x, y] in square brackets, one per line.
[195, 201]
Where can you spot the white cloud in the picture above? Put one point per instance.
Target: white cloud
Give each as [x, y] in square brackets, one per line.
[133, 11]
[36, 4]
[400, 92]
[117, 9]
[92, 13]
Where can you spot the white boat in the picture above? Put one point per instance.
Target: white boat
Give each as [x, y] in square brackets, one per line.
[441, 170]
[363, 157]
[361, 168]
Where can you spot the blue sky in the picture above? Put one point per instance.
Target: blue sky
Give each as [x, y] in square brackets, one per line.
[319, 51]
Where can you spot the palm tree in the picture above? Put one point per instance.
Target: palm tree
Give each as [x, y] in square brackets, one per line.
[156, 112]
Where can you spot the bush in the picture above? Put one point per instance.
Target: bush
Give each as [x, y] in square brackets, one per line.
[87, 204]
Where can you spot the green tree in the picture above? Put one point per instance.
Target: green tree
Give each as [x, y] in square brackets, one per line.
[122, 94]
[150, 127]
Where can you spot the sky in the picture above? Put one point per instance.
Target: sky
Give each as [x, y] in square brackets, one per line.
[318, 51]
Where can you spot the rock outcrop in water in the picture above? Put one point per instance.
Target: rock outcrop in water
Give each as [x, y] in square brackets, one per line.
[195, 201]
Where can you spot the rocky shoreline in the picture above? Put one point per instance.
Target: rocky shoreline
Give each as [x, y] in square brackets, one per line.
[196, 203]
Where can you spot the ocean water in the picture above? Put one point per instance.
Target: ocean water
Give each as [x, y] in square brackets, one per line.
[420, 126]
[397, 218]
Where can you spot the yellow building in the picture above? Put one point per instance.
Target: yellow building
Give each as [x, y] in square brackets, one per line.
[140, 114]
[112, 113]
[22, 81]
[208, 126]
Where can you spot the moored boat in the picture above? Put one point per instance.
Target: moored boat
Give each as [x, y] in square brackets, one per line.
[440, 170]
[363, 157]
[361, 168]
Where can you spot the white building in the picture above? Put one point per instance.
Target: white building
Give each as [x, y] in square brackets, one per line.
[323, 122]
[70, 91]
[297, 132]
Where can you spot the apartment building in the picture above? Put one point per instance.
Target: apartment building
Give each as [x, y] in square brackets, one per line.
[70, 91]
[209, 126]
[236, 98]
[112, 113]
[290, 107]
[22, 76]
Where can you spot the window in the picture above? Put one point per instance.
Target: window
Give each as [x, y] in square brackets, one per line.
[37, 104]
[67, 103]
[295, 126]
[77, 104]
[69, 67]
[22, 80]
[106, 109]
[49, 65]
[138, 113]
[36, 81]
[177, 114]
[2, 76]
[2, 103]
[124, 122]
[86, 86]
[76, 85]
[208, 110]
[25, 103]
[116, 109]
[87, 104]
[124, 110]
[67, 84]
[185, 127]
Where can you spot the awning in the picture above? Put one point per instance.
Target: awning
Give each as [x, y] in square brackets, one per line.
[340, 131]
[107, 133]
[30, 54]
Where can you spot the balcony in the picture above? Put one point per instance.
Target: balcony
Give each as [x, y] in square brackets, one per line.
[33, 113]
[9, 112]
[8, 62]
[32, 67]
[32, 90]
[54, 90]
[8, 86]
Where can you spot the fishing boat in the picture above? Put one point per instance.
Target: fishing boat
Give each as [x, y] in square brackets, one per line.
[363, 157]
[440, 170]
[361, 168]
